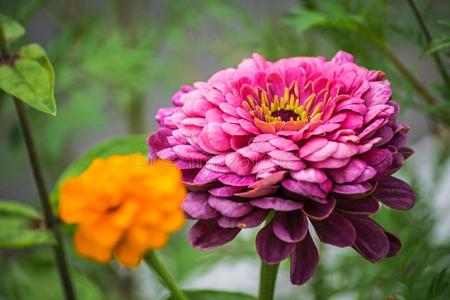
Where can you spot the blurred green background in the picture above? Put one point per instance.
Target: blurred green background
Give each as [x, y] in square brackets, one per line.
[118, 61]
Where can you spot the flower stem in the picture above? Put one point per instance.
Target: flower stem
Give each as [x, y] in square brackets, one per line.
[58, 249]
[426, 32]
[267, 280]
[164, 276]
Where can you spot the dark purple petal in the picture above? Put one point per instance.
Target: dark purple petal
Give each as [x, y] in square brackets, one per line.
[395, 193]
[253, 219]
[379, 159]
[394, 244]
[206, 234]
[366, 206]
[371, 241]
[319, 211]
[271, 249]
[258, 192]
[290, 227]
[276, 203]
[406, 152]
[196, 205]
[385, 133]
[304, 261]
[230, 208]
[335, 230]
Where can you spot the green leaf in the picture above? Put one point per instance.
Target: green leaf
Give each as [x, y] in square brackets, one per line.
[24, 238]
[115, 146]
[12, 29]
[438, 44]
[15, 209]
[35, 273]
[31, 79]
[305, 19]
[215, 295]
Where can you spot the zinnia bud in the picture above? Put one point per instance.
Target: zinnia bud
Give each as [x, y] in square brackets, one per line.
[123, 206]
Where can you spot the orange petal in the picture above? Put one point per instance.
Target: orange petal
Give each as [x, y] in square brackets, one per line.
[89, 249]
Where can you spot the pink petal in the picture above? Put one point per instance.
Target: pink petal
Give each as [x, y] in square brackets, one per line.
[238, 164]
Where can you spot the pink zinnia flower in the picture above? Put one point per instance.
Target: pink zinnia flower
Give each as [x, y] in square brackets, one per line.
[313, 141]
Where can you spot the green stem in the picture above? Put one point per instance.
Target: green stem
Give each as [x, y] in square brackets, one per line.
[164, 276]
[135, 116]
[3, 45]
[58, 249]
[267, 280]
[426, 32]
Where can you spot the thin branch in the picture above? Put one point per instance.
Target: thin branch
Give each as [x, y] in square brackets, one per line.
[428, 37]
[420, 88]
[58, 249]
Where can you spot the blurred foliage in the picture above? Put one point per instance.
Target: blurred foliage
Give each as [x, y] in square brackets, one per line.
[115, 60]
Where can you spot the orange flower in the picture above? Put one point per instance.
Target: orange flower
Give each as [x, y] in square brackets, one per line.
[124, 206]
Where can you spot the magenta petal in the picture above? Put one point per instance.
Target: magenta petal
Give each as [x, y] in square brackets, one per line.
[188, 152]
[331, 163]
[283, 155]
[278, 204]
[206, 234]
[263, 165]
[371, 241]
[234, 129]
[312, 146]
[304, 261]
[262, 147]
[158, 141]
[394, 244]
[353, 188]
[294, 165]
[283, 144]
[335, 230]
[225, 191]
[307, 189]
[319, 211]
[258, 192]
[217, 164]
[271, 249]
[253, 219]
[196, 205]
[310, 175]
[290, 227]
[238, 164]
[269, 180]
[206, 176]
[365, 206]
[230, 208]
[323, 153]
[250, 153]
[349, 173]
[236, 180]
[342, 57]
[395, 193]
